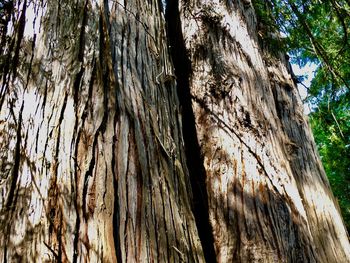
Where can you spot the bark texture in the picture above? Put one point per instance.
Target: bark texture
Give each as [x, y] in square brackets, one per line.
[93, 167]
[269, 198]
[122, 141]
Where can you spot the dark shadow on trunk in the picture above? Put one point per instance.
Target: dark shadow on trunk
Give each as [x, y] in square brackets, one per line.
[193, 155]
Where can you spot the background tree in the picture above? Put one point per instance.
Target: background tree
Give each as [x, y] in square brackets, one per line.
[122, 141]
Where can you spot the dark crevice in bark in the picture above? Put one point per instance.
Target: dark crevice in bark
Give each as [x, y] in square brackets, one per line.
[30, 66]
[75, 191]
[116, 210]
[277, 103]
[125, 241]
[105, 78]
[237, 215]
[80, 55]
[82, 32]
[54, 185]
[106, 53]
[17, 159]
[21, 26]
[76, 157]
[5, 253]
[60, 241]
[89, 173]
[77, 222]
[193, 155]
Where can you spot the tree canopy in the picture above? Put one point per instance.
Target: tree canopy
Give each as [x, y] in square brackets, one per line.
[317, 31]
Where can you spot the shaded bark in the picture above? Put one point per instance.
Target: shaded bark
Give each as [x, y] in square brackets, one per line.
[122, 141]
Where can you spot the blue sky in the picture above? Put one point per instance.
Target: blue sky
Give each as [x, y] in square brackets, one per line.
[308, 71]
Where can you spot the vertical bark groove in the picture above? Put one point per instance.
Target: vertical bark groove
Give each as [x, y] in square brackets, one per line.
[194, 158]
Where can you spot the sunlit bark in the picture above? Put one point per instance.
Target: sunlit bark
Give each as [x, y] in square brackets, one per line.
[128, 135]
[269, 198]
[91, 137]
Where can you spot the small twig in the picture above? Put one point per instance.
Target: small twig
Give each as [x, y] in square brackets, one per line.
[178, 251]
[306, 87]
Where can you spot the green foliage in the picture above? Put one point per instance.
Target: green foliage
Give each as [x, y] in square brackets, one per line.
[318, 31]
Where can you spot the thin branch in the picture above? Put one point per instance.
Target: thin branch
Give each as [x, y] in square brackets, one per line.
[306, 87]
[336, 121]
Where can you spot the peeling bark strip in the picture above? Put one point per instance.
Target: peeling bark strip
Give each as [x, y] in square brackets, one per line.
[109, 153]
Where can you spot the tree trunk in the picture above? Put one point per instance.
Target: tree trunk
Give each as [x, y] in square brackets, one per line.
[269, 198]
[92, 136]
[124, 142]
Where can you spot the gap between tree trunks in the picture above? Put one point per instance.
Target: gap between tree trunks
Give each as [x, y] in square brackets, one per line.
[193, 155]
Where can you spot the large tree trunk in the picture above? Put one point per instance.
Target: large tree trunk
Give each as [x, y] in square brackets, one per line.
[269, 199]
[109, 153]
[92, 137]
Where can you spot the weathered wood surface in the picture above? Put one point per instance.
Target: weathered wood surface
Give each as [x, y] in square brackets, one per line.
[269, 199]
[109, 153]
[90, 117]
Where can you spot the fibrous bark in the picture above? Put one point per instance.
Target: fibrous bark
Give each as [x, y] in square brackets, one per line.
[269, 199]
[92, 137]
[122, 141]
